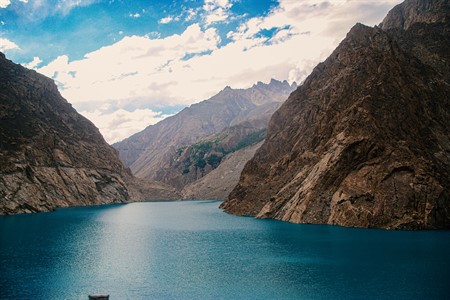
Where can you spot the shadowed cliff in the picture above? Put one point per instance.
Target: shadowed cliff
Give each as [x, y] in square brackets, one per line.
[51, 156]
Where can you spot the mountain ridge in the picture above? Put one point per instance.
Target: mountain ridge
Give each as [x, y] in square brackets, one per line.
[151, 153]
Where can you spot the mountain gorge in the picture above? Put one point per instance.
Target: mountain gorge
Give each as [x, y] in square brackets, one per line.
[364, 141]
[186, 147]
[51, 156]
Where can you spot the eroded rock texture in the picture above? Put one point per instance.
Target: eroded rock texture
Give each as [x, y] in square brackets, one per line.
[364, 142]
[50, 156]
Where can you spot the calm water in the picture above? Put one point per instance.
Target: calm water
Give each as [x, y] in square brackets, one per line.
[191, 250]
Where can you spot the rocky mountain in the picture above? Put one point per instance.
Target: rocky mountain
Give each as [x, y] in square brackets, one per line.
[50, 156]
[170, 150]
[364, 142]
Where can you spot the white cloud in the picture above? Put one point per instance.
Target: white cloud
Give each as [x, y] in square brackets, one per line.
[306, 31]
[166, 20]
[133, 67]
[120, 124]
[192, 66]
[170, 19]
[190, 14]
[4, 3]
[135, 15]
[6, 45]
[216, 10]
[34, 63]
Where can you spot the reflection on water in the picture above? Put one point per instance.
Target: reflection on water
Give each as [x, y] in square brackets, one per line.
[191, 250]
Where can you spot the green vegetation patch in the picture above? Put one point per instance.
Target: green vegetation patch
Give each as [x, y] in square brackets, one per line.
[211, 152]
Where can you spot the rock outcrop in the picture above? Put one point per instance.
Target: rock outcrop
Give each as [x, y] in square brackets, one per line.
[364, 142]
[51, 156]
[156, 153]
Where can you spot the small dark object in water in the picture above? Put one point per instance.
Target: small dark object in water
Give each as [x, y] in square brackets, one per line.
[99, 297]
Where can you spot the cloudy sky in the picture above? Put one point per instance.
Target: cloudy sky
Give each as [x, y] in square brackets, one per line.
[126, 64]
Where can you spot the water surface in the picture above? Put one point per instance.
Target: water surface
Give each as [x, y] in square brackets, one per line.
[192, 250]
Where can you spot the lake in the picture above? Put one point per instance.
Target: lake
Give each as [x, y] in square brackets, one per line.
[192, 250]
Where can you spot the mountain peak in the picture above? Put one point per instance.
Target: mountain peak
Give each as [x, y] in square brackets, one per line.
[404, 15]
[274, 81]
[275, 84]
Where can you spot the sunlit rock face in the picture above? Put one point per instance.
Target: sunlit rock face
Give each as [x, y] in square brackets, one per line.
[364, 142]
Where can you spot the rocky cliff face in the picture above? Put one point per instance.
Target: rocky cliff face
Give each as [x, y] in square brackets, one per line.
[155, 152]
[365, 141]
[50, 156]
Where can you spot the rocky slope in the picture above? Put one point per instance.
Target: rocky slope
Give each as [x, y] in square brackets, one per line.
[155, 153]
[50, 156]
[219, 182]
[364, 142]
[193, 162]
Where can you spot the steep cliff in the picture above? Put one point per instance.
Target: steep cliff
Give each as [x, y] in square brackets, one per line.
[364, 142]
[50, 156]
[154, 152]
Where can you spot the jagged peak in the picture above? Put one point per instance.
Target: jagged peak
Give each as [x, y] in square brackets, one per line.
[273, 83]
[410, 12]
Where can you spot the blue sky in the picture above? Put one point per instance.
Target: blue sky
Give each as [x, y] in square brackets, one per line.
[127, 64]
[79, 29]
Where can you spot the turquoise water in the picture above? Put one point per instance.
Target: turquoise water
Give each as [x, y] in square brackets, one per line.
[192, 250]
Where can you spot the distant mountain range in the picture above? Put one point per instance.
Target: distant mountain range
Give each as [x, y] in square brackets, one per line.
[364, 142]
[51, 156]
[187, 146]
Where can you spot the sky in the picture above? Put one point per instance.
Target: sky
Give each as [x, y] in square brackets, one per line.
[129, 64]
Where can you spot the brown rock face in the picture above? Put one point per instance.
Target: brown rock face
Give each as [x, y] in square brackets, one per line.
[404, 15]
[364, 142]
[50, 156]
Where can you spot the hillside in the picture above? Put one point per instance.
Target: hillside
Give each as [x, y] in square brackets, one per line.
[219, 182]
